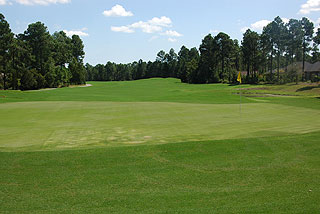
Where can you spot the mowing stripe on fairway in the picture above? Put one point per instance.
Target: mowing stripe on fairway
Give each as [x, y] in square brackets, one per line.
[32, 126]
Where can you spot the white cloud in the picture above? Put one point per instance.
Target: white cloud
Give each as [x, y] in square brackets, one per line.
[34, 2]
[310, 6]
[146, 27]
[117, 11]
[42, 2]
[259, 25]
[151, 26]
[81, 32]
[285, 20]
[123, 29]
[3, 2]
[172, 33]
[162, 21]
[155, 25]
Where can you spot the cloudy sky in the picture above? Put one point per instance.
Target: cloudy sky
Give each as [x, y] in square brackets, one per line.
[123, 31]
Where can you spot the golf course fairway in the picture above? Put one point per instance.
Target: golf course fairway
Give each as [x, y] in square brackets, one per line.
[158, 146]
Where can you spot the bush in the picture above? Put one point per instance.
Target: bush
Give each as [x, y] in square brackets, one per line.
[315, 78]
[28, 81]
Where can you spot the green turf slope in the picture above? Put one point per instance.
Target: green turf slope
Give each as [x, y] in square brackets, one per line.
[158, 146]
[150, 90]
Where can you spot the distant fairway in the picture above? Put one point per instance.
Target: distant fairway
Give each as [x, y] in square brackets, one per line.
[158, 145]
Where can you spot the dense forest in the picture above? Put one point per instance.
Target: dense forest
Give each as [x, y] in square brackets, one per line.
[36, 59]
[260, 57]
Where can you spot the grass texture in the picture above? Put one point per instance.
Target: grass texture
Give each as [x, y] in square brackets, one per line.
[158, 146]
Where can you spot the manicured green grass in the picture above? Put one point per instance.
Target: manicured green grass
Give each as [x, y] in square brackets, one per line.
[158, 146]
[33, 126]
[255, 175]
[152, 90]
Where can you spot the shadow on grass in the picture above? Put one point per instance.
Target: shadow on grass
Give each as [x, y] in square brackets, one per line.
[308, 88]
[251, 84]
[233, 84]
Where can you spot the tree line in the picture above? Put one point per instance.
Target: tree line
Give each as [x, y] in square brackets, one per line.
[218, 59]
[36, 59]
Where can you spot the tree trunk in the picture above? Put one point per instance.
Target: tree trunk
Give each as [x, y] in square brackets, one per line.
[15, 84]
[248, 70]
[303, 58]
[222, 68]
[278, 67]
[41, 63]
[292, 50]
[271, 65]
[4, 81]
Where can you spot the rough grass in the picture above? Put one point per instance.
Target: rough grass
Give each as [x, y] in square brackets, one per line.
[158, 146]
[292, 89]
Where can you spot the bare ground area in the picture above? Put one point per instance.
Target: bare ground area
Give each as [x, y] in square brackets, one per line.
[80, 86]
[71, 86]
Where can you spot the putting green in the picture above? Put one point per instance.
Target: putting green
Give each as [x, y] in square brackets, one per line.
[32, 126]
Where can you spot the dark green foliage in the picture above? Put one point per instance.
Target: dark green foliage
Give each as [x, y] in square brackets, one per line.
[6, 37]
[250, 50]
[183, 57]
[275, 39]
[62, 45]
[29, 80]
[192, 70]
[20, 60]
[35, 59]
[207, 61]
[58, 59]
[315, 50]
[77, 48]
[40, 41]
[308, 29]
[224, 46]
[261, 57]
[51, 77]
[138, 70]
[77, 71]
[295, 34]
[286, 44]
[172, 63]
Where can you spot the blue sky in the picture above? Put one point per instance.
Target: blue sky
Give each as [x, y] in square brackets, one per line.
[126, 31]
